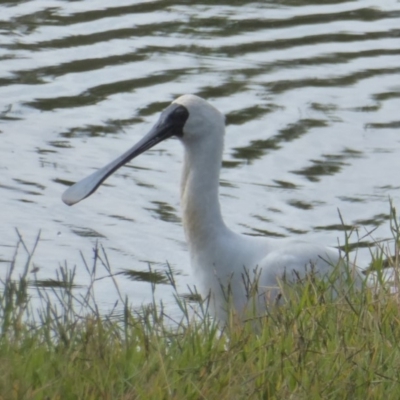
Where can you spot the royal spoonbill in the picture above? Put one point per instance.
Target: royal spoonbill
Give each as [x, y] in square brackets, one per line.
[218, 255]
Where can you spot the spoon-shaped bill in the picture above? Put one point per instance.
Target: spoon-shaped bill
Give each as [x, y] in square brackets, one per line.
[170, 123]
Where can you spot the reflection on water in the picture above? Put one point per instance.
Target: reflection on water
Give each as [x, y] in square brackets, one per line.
[329, 165]
[311, 94]
[155, 277]
[52, 283]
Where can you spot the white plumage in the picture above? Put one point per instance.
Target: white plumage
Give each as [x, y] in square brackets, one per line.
[218, 255]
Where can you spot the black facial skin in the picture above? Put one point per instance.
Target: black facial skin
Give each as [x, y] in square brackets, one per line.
[174, 117]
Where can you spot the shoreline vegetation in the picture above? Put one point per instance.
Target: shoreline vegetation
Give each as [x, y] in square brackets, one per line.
[309, 348]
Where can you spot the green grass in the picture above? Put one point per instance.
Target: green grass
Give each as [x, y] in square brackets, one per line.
[309, 348]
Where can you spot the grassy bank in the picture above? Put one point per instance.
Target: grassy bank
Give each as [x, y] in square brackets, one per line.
[309, 348]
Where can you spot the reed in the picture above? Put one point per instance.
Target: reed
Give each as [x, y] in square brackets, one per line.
[308, 348]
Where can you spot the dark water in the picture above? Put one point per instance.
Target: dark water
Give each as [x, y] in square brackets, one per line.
[311, 91]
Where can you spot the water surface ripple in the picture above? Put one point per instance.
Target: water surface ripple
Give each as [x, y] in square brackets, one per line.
[311, 91]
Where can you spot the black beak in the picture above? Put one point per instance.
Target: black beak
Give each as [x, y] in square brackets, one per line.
[171, 123]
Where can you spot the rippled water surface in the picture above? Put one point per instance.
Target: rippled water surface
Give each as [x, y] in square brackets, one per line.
[311, 91]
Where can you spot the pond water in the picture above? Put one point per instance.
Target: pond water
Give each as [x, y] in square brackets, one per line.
[311, 91]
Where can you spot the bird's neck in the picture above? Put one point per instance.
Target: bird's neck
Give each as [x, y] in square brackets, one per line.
[202, 219]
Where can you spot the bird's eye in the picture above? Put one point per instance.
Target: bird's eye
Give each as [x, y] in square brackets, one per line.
[181, 110]
[181, 113]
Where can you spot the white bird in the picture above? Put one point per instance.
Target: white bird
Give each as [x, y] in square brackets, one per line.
[219, 256]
